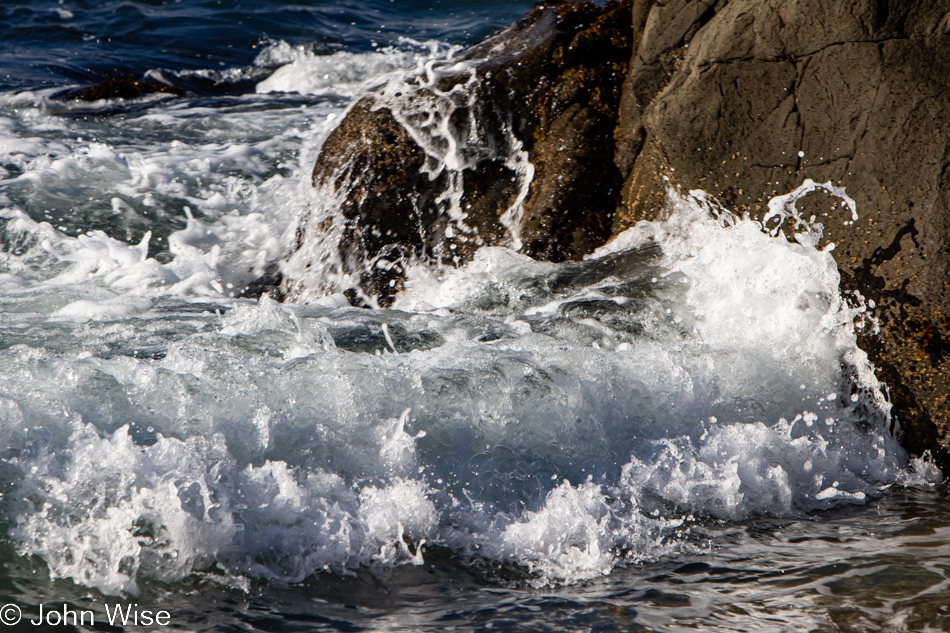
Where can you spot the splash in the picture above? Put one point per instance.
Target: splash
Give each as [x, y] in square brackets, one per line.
[338, 74]
[561, 419]
[461, 134]
[807, 232]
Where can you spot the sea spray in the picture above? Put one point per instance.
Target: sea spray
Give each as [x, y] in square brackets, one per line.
[132, 168]
[560, 418]
[337, 74]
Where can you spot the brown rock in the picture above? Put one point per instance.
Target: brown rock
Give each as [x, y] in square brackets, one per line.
[567, 222]
[438, 165]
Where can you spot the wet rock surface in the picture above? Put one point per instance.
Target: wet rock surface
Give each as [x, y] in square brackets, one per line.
[510, 142]
[748, 98]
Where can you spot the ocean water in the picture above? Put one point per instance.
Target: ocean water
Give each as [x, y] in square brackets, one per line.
[678, 433]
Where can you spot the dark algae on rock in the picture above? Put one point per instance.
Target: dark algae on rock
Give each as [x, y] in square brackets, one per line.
[569, 126]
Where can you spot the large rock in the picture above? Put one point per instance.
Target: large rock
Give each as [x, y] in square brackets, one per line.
[747, 98]
[568, 127]
[510, 142]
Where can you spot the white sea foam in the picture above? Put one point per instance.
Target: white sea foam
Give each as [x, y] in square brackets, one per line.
[507, 412]
[341, 73]
[228, 174]
[235, 198]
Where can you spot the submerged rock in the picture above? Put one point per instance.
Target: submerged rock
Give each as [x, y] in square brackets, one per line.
[746, 99]
[123, 88]
[508, 142]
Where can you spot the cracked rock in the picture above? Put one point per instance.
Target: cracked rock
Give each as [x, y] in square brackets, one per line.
[754, 96]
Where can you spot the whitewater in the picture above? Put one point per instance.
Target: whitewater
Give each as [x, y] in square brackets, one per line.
[537, 425]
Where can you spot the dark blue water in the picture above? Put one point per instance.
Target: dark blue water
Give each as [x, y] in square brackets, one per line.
[51, 43]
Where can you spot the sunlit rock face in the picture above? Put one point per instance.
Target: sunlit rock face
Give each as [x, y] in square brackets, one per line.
[747, 99]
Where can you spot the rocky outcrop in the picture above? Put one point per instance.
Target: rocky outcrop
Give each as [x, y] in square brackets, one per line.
[511, 142]
[568, 127]
[747, 98]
